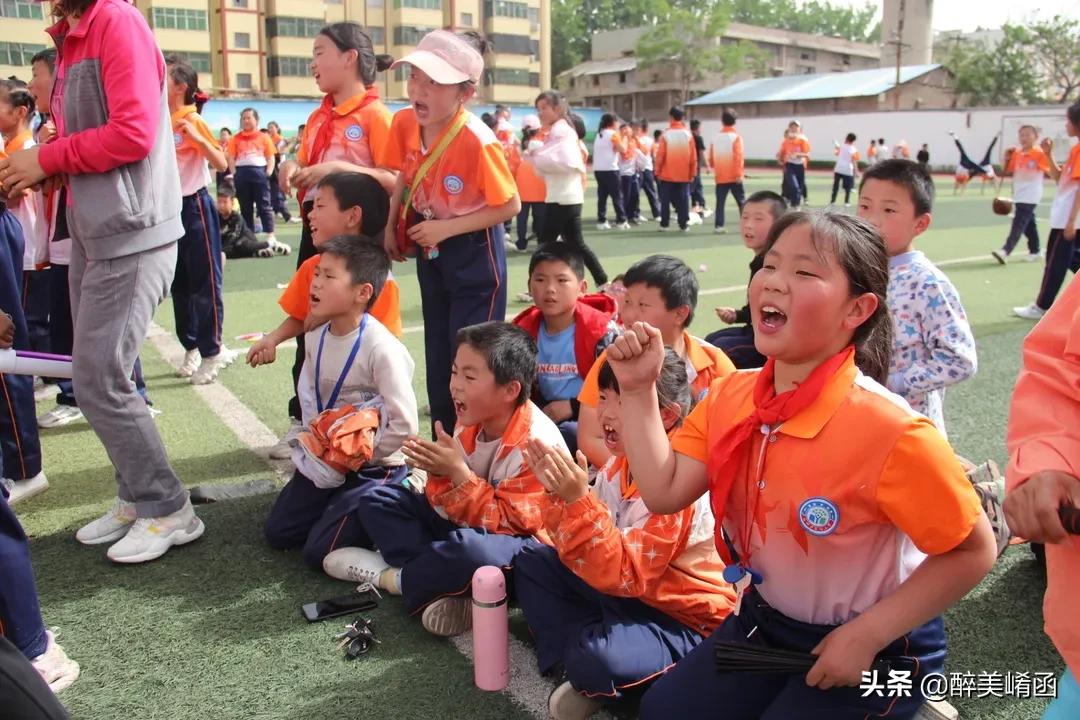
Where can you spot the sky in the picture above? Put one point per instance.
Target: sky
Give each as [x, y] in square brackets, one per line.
[958, 15]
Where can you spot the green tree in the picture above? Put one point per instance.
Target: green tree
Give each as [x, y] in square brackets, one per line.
[1056, 46]
[818, 17]
[1000, 74]
[689, 42]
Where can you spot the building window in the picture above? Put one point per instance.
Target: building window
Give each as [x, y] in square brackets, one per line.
[514, 44]
[18, 54]
[622, 78]
[280, 66]
[534, 79]
[845, 59]
[282, 26]
[466, 20]
[239, 3]
[23, 9]
[401, 73]
[534, 19]
[242, 41]
[199, 61]
[596, 80]
[804, 70]
[506, 8]
[376, 33]
[808, 55]
[243, 81]
[420, 4]
[166, 18]
[376, 3]
[409, 34]
[334, 2]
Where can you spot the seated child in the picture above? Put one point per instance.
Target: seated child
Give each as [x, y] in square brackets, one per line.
[617, 292]
[237, 239]
[933, 346]
[849, 525]
[482, 504]
[351, 359]
[625, 592]
[662, 291]
[570, 329]
[759, 212]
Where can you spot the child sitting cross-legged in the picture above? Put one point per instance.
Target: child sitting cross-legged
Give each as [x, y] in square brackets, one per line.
[358, 405]
[625, 592]
[482, 505]
[237, 239]
[570, 328]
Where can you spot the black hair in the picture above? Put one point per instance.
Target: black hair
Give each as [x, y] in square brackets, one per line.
[554, 98]
[643, 124]
[18, 96]
[672, 386]
[676, 113]
[527, 134]
[558, 252]
[728, 117]
[777, 204]
[350, 36]
[226, 190]
[226, 129]
[353, 189]
[860, 252]
[671, 276]
[607, 120]
[478, 42]
[499, 107]
[76, 8]
[881, 141]
[619, 279]
[656, 134]
[182, 73]
[489, 120]
[510, 353]
[366, 260]
[47, 56]
[908, 174]
[695, 124]
[873, 141]
[579, 125]
[1073, 113]
[253, 111]
[850, 138]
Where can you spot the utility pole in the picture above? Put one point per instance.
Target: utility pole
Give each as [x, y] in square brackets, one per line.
[897, 40]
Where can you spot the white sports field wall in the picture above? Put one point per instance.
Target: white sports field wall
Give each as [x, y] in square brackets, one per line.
[975, 128]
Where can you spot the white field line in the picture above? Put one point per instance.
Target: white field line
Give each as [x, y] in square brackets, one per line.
[528, 688]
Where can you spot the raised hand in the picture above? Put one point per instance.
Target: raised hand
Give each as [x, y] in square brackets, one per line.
[637, 357]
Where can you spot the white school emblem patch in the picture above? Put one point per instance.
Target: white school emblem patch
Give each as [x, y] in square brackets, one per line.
[819, 516]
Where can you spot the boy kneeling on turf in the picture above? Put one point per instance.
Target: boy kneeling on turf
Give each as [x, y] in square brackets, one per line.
[624, 593]
[570, 328]
[483, 504]
[353, 365]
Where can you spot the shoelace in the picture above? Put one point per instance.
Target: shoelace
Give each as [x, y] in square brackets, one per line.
[364, 575]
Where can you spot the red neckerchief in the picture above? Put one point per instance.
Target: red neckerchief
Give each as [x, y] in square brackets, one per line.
[769, 409]
[325, 136]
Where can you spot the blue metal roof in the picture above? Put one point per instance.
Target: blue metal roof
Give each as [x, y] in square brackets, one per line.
[820, 86]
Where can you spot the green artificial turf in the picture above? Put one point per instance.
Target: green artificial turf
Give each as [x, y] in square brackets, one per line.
[213, 630]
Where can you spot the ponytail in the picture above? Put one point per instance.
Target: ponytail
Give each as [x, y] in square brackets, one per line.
[183, 73]
[350, 36]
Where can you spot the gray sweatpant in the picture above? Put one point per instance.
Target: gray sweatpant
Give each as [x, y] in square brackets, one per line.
[112, 302]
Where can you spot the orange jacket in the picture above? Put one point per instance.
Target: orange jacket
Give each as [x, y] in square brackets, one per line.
[1043, 435]
[676, 157]
[726, 156]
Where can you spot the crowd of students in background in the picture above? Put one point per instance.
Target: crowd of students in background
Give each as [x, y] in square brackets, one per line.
[593, 448]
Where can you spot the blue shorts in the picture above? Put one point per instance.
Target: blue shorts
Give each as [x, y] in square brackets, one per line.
[1067, 704]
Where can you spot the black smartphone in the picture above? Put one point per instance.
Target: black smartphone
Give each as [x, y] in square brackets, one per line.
[338, 606]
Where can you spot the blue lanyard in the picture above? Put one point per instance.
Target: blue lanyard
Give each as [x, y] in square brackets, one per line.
[344, 371]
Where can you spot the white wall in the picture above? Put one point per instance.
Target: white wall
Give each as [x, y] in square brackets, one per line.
[974, 128]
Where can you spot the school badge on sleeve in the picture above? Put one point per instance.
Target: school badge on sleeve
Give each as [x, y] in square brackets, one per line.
[819, 516]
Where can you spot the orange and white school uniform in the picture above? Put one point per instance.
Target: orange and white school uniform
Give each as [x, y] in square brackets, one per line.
[253, 152]
[1060, 256]
[1043, 436]
[30, 212]
[829, 498]
[676, 167]
[463, 279]
[441, 537]
[728, 164]
[1028, 169]
[295, 299]
[794, 156]
[648, 173]
[196, 286]
[623, 593]
[532, 189]
[607, 148]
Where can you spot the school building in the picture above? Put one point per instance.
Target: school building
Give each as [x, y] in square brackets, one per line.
[263, 47]
[612, 80]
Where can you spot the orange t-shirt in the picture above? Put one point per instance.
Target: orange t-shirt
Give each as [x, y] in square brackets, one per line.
[252, 149]
[193, 166]
[530, 184]
[358, 130]
[854, 492]
[704, 364]
[471, 173]
[795, 145]
[295, 299]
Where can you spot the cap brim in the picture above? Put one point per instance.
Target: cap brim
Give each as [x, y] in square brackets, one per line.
[434, 67]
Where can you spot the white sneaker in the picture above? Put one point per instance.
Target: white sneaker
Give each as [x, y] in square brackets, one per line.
[19, 490]
[706, 214]
[280, 248]
[210, 367]
[663, 229]
[43, 390]
[283, 449]
[694, 219]
[266, 252]
[510, 247]
[190, 364]
[448, 616]
[356, 565]
[524, 298]
[59, 416]
[295, 219]
[110, 527]
[150, 538]
[720, 230]
[55, 667]
[566, 703]
[1029, 312]
[1000, 256]
[1033, 257]
[623, 226]
[603, 226]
